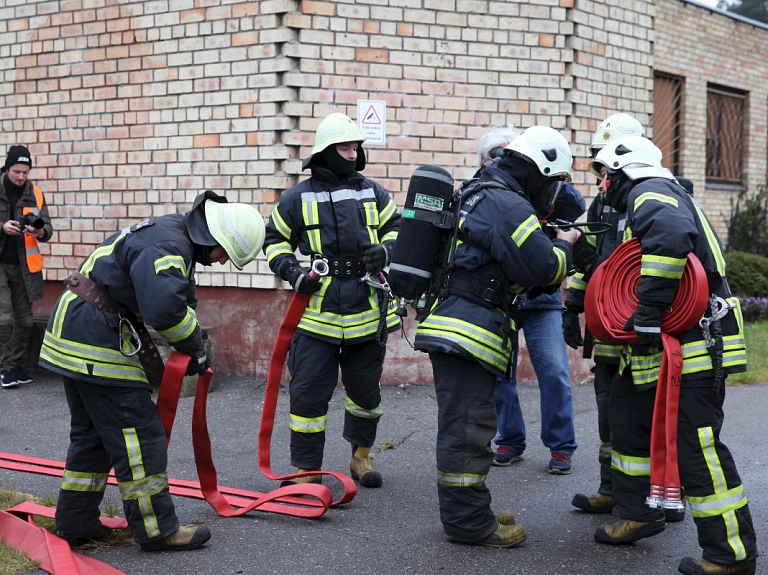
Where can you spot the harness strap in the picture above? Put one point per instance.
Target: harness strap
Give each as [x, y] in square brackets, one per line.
[95, 295]
[345, 267]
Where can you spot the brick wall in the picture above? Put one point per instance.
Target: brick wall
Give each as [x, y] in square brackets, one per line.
[131, 108]
[701, 45]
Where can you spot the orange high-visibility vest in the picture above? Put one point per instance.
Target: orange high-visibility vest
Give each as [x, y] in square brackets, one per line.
[34, 257]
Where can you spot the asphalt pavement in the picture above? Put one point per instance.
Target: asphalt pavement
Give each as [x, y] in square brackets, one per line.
[394, 529]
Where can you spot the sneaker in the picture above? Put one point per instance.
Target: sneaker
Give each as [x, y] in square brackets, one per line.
[560, 464]
[691, 566]
[625, 531]
[7, 379]
[21, 376]
[184, 538]
[506, 456]
[597, 503]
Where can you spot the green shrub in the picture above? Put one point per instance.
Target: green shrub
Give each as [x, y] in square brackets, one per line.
[748, 226]
[747, 274]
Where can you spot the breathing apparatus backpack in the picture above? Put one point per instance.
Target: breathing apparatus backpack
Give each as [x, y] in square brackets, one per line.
[422, 259]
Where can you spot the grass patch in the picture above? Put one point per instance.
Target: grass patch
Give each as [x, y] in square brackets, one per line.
[756, 336]
[13, 563]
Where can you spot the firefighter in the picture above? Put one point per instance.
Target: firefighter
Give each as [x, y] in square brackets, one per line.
[92, 340]
[606, 356]
[500, 250]
[662, 215]
[351, 221]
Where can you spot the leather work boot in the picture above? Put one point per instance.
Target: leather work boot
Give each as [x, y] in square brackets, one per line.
[305, 479]
[505, 534]
[625, 531]
[184, 538]
[597, 503]
[505, 517]
[80, 539]
[361, 468]
[691, 566]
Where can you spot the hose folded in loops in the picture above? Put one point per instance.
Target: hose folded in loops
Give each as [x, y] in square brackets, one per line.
[611, 297]
[609, 302]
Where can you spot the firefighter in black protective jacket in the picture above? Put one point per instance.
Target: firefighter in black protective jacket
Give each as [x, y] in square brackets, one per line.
[669, 225]
[351, 221]
[501, 250]
[149, 269]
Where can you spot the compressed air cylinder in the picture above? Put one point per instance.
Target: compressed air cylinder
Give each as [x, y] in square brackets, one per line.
[423, 223]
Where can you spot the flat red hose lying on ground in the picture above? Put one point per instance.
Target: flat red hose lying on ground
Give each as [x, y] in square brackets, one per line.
[609, 303]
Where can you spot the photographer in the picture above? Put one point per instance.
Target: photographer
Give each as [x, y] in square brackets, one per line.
[24, 214]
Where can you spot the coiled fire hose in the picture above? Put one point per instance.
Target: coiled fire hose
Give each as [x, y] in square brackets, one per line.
[609, 302]
[274, 374]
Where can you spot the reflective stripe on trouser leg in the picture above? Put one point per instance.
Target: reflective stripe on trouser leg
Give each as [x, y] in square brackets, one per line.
[466, 424]
[361, 366]
[709, 476]
[133, 436]
[314, 367]
[631, 414]
[85, 474]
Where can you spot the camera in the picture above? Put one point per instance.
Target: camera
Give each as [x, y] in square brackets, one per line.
[31, 220]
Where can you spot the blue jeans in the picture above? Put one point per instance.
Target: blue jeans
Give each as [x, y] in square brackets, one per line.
[543, 329]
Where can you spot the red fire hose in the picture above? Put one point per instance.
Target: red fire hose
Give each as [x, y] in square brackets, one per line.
[274, 374]
[609, 303]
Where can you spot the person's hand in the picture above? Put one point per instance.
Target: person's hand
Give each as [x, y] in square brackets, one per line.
[11, 228]
[198, 362]
[584, 254]
[572, 329]
[569, 236]
[376, 258]
[301, 282]
[646, 322]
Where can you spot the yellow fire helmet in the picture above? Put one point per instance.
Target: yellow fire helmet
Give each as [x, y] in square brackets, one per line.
[337, 128]
[238, 228]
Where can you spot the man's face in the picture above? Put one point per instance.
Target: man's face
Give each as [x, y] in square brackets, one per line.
[18, 174]
[219, 255]
[347, 150]
[603, 183]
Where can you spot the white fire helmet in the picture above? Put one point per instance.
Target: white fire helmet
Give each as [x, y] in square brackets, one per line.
[547, 148]
[636, 156]
[614, 127]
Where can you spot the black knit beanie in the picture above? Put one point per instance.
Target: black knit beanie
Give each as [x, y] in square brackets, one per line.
[18, 155]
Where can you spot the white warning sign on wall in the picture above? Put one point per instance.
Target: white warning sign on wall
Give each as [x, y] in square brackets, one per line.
[372, 121]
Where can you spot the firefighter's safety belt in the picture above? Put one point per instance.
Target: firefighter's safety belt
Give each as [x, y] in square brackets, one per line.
[274, 374]
[95, 295]
[609, 302]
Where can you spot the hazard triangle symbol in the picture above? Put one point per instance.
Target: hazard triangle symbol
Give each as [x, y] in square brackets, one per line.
[371, 117]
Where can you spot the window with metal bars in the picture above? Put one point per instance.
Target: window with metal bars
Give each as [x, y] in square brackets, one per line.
[725, 134]
[667, 119]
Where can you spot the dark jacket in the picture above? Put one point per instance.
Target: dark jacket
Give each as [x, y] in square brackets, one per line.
[149, 268]
[32, 281]
[501, 243]
[336, 220]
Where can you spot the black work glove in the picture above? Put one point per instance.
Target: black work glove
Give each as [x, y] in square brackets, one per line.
[198, 363]
[572, 329]
[584, 254]
[646, 322]
[301, 282]
[377, 257]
